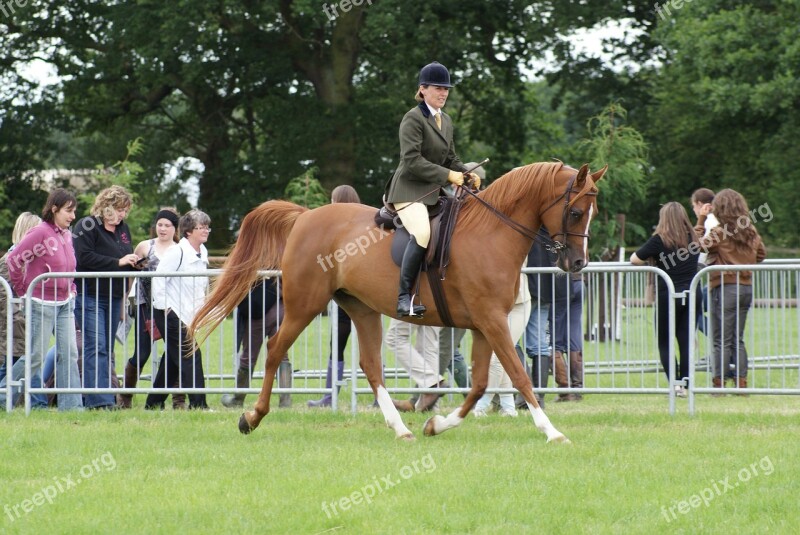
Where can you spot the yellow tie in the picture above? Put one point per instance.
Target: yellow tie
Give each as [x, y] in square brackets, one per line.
[438, 118]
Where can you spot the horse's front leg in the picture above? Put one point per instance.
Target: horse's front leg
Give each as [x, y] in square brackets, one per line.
[481, 354]
[500, 339]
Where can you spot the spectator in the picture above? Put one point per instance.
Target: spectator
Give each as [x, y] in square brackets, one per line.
[175, 301]
[735, 241]
[565, 318]
[450, 356]
[701, 198]
[342, 193]
[674, 247]
[102, 243]
[164, 236]
[420, 360]
[24, 223]
[257, 318]
[48, 248]
[498, 377]
[537, 339]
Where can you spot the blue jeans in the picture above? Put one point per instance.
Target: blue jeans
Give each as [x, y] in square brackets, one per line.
[701, 321]
[49, 365]
[537, 340]
[45, 318]
[566, 320]
[97, 318]
[38, 401]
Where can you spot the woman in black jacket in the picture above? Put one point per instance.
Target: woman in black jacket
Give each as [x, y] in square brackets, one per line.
[102, 242]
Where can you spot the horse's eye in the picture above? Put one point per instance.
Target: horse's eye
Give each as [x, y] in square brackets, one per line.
[575, 214]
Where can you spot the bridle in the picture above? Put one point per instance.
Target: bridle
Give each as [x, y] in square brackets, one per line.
[554, 246]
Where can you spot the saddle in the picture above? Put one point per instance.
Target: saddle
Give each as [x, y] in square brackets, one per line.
[442, 217]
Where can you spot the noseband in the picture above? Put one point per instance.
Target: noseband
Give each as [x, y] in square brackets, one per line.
[556, 246]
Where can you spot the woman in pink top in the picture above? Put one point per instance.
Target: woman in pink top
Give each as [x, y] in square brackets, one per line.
[47, 248]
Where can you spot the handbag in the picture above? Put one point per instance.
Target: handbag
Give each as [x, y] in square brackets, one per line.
[152, 329]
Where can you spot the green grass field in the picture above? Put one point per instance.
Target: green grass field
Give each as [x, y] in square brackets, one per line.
[631, 469]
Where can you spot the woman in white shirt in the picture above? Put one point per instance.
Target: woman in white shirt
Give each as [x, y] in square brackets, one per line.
[175, 301]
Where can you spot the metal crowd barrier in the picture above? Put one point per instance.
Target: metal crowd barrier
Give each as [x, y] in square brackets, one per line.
[620, 352]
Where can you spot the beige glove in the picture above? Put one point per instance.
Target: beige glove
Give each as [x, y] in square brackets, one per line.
[476, 180]
[456, 178]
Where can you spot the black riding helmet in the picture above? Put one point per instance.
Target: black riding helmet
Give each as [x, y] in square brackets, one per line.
[435, 74]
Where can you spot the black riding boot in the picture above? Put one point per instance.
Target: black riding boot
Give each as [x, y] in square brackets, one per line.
[409, 268]
[540, 374]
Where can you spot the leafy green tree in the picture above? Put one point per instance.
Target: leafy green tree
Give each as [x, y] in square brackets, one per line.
[624, 150]
[257, 91]
[126, 173]
[306, 190]
[725, 111]
[22, 148]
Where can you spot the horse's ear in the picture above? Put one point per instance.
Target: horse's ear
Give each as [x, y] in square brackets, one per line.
[597, 175]
[580, 178]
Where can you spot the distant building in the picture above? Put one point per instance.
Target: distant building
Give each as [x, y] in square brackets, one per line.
[76, 180]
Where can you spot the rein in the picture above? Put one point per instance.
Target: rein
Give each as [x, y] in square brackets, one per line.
[554, 246]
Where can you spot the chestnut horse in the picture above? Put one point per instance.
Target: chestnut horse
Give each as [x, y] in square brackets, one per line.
[336, 252]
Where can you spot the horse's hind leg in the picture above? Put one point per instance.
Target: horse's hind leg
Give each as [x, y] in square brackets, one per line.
[370, 331]
[277, 347]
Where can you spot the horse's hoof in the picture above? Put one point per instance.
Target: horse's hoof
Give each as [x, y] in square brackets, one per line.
[429, 429]
[408, 437]
[559, 439]
[244, 426]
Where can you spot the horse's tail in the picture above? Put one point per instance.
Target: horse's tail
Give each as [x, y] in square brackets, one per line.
[261, 242]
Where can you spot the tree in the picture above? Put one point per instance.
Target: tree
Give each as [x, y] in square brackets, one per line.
[726, 111]
[623, 149]
[22, 148]
[306, 190]
[259, 92]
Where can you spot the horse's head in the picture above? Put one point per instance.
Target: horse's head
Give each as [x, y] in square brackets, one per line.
[568, 215]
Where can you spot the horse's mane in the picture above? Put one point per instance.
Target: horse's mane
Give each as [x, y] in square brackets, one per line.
[510, 189]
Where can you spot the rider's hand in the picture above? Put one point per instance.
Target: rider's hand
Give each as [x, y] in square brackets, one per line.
[476, 180]
[456, 178]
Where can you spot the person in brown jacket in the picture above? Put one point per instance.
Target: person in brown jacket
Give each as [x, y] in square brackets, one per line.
[734, 242]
